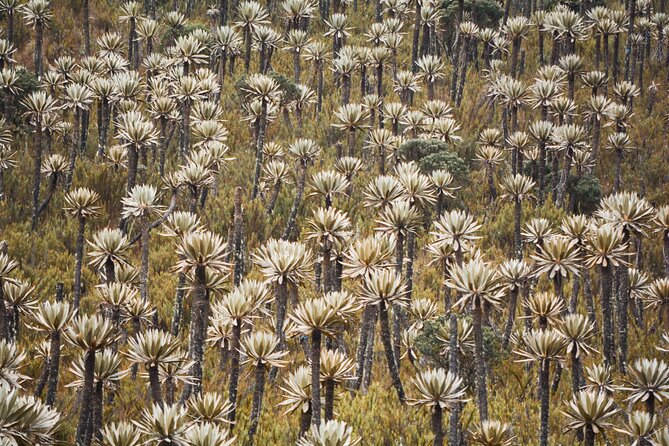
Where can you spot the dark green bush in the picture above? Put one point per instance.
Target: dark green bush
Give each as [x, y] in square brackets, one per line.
[432, 154]
[416, 149]
[586, 191]
[447, 161]
[488, 12]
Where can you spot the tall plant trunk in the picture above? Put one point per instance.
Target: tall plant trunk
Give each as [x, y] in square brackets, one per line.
[54, 368]
[571, 83]
[184, 136]
[10, 27]
[257, 401]
[513, 299]
[305, 422]
[292, 218]
[481, 391]
[3, 313]
[540, 46]
[169, 391]
[162, 151]
[575, 291]
[379, 81]
[86, 397]
[505, 137]
[616, 57]
[222, 65]
[575, 372]
[95, 419]
[103, 125]
[83, 137]
[437, 429]
[515, 49]
[136, 329]
[598, 50]
[281, 301]
[564, 178]
[607, 313]
[369, 351]
[382, 161]
[456, 64]
[544, 396]
[507, 11]
[39, 49]
[453, 367]
[397, 311]
[234, 370]
[665, 251]
[260, 142]
[224, 356]
[274, 195]
[247, 49]
[199, 322]
[542, 170]
[368, 320]
[51, 189]
[411, 254]
[154, 384]
[73, 148]
[453, 357]
[596, 138]
[177, 312]
[589, 435]
[37, 171]
[416, 38]
[326, 267]
[630, 33]
[466, 54]
[555, 167]
[588, 298]
[491, 182]
[517, 240]
[12, 324]
[329, 399]
[222, 12]
[650, 406]
[388, 347]
[78, 263]
[315, 377]
[408, 277]
[319, 92]
[623, 304]
[144, 267]
[133, 160]
[296, 67]
[110, 274]
[43, 378]
[132, 35]
[605, 53]
[351, 143]
[555, 50]
[237, 224]
[618, 168]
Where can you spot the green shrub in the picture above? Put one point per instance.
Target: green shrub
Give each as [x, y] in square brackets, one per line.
[488, 12]
[432, 154]
[416, 149]
[447, 161]
[586, 191]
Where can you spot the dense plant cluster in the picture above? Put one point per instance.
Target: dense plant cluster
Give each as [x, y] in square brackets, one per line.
[334, 223]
